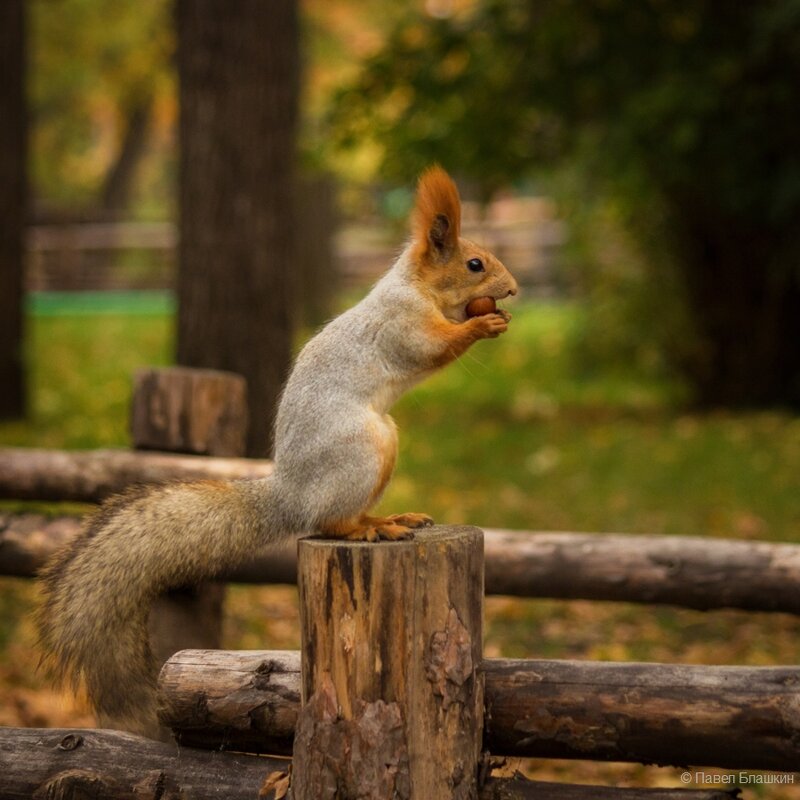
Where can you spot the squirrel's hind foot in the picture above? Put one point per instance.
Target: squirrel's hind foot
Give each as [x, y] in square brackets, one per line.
[411, 520]
[397, 527]
[373, 529]
[384, 531]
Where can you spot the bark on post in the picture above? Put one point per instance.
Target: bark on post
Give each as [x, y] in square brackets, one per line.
[201, 412]
[391, 682]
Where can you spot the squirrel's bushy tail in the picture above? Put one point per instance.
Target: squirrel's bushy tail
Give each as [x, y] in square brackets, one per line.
[98, 590]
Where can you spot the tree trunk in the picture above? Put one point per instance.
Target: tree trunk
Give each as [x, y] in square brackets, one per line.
[13, 204]
[119, 180]
[238, 68]
[316, 275]
[742, 283]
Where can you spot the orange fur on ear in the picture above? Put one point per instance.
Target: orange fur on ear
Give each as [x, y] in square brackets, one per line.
[437, 213]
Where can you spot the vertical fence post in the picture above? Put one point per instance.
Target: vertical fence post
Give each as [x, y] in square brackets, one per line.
[391, 653]
[202, 412]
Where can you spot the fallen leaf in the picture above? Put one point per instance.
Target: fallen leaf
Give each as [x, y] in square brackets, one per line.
[277, 782]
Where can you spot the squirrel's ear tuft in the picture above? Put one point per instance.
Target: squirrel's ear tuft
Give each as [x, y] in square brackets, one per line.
[437, 214]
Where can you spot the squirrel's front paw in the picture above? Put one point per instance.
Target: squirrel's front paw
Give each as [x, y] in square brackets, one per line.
[490, 326]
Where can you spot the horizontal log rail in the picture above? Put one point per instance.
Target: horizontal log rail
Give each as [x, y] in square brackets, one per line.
[521, 789]
[110, 765]
[28, 541]
[689, 572]
[666, 714]
[88, 476]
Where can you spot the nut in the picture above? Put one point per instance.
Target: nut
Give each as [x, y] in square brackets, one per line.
[481, 306]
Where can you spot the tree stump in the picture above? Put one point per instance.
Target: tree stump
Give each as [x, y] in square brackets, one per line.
[391, 652]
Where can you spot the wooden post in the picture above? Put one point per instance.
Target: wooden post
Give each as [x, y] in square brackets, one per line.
[189, 411]
[391, 683]
[182, 410]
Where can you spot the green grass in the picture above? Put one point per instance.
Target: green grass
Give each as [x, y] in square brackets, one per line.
[80, 376]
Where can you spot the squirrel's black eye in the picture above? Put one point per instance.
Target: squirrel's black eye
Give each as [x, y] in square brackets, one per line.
[475, 265]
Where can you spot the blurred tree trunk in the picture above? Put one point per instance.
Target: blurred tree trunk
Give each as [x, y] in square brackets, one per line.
[316, 276]
[116, 192]
[742, 281]
[13, 204]
[238, 67]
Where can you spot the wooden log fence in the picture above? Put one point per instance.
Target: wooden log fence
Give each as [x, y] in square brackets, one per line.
[58, 764]
[391, 697]
[368, 649]
[664, 714]
[683, 571]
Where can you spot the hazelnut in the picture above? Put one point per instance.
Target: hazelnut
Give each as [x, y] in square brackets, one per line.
[480, 306]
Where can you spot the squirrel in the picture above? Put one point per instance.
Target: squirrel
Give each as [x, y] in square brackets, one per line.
[335, 450]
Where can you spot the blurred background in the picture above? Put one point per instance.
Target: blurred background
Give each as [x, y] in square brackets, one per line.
[205, 182]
